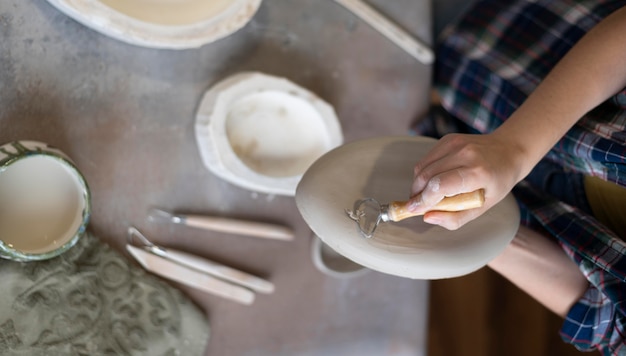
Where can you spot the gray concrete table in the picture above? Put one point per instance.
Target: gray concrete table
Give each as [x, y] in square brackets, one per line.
[125, 115]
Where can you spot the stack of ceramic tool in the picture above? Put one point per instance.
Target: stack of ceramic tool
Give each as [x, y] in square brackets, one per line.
[198, 272]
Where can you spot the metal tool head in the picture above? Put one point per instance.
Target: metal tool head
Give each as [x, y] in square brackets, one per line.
[367, 215]
[159, 215]
[137, 239]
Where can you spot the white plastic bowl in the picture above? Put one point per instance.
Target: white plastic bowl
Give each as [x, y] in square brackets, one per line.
[262, 132]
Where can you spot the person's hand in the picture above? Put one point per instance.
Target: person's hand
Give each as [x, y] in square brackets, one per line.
[461, 163]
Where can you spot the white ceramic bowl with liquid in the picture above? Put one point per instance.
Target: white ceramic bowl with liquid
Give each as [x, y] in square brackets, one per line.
[44, 202]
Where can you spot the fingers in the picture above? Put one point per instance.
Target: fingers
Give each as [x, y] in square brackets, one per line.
[432, 162]
[452, 220]
[447, 184]
[461, 163]
[453, 166]
[449, 169]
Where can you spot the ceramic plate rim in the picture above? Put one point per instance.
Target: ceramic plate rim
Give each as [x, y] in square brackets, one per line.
[375, 258]
[119, 26]
[225, 163]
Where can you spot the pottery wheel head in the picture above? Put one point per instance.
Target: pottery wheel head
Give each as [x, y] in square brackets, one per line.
[366, 214]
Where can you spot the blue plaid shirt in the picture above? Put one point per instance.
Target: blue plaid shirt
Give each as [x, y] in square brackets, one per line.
[488, 63]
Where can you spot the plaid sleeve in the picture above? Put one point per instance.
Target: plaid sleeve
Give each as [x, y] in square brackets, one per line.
[488, 63]
[497, 54]
[594, 321]
[597, 320]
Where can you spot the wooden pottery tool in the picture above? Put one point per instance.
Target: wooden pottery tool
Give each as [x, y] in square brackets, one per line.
[368, 212]
[226, 225]
[196, 272]
[390, 30]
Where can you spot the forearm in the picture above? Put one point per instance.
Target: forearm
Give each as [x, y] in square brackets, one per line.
[588, 74]
[539, 267]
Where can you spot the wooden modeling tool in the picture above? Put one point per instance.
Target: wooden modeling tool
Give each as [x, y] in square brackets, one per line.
[368, 212]
[226, 225]
[390, 30]
[195, 271]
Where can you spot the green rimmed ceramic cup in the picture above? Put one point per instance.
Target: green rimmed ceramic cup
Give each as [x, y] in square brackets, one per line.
[45, 203]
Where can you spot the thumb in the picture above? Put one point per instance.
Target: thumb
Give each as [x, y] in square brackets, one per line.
[427, 198]
[419, 206]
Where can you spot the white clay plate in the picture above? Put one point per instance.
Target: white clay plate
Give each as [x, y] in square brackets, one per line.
[382, 168]
[173, 24]
[262, 132]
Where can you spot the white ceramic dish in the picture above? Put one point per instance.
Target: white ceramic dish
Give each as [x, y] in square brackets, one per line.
[44, 202]
[263, 132]
[382, 168]
[176, 24]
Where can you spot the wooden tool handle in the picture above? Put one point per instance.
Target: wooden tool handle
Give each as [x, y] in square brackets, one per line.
[390, 30]
[220, 271]
[240, 227]
[398, 210]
